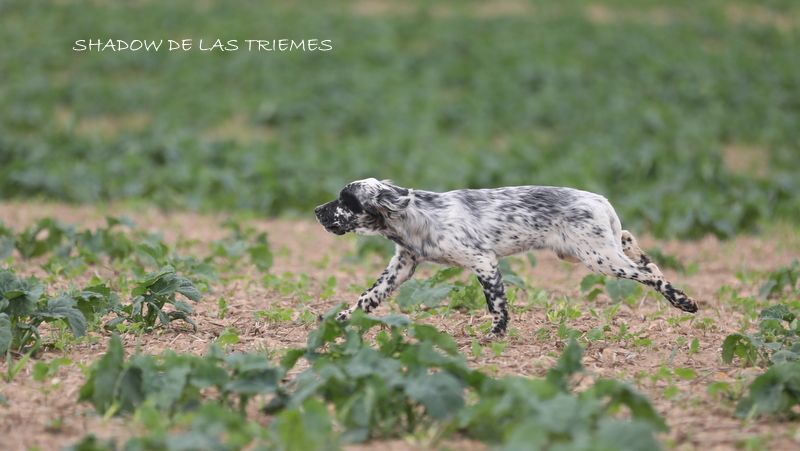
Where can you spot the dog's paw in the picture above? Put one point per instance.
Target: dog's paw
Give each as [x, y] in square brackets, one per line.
[343, 315]
[493, 335]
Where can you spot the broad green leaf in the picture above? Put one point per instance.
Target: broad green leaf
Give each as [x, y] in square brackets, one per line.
[619, 393]
[509, 276]
[64, 307]
[188, 289]
[6, 247]
[396, 320]
[425, 332]
[5, 334]
[613, 434]
[367, 362]
[307, 427]
[191, 441]
[291, 357]
[326, 332]
[130, 392]
[568, 364]
[100, 388]
[591, 280]
[440, 393]
[445, 274]
[171, 385]
[777, 312]
[776, 392]
[785, 355]
[739, 345]
[229, 336]
[18, 296]
[621, 289]
[260, 253]
[414, 293]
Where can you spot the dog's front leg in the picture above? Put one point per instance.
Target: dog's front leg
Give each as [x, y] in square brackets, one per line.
[400, 269]
[492, 283]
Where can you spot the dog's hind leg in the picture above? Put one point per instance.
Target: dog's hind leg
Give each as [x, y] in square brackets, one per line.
[400, 269]
[632, 250]
[611, 260]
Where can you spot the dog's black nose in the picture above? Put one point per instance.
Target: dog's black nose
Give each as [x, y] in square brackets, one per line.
[316, 210]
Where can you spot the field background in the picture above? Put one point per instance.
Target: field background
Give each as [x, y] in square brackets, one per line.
[685, 114]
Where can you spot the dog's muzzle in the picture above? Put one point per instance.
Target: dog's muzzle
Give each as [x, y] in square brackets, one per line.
[326, 216]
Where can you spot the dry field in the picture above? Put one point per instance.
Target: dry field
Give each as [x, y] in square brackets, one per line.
[47, 415]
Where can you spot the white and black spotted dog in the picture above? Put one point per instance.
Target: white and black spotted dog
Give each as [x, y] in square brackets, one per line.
[473, 228]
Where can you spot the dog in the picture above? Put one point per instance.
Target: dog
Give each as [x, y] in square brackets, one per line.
[473, 228]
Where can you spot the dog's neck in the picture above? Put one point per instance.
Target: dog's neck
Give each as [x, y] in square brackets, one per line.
[411, 227]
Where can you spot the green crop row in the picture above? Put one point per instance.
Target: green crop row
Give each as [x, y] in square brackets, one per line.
[412, 380]
[145, 267]
[24, 306]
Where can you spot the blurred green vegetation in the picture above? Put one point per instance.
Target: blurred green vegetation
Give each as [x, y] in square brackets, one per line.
[685, 114]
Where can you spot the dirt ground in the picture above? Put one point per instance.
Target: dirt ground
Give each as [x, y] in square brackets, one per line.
[47, 415]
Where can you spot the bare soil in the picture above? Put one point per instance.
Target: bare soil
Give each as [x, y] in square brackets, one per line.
[48, 416]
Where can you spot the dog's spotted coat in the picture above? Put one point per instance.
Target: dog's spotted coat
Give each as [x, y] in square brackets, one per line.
[473, 228]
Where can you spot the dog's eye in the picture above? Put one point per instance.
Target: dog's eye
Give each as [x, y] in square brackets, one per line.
[351, 202]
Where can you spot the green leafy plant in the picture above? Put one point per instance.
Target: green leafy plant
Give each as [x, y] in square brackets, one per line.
[152, 293]
[780, 280]
[222, 308]
[412, 378]
[776, 392]
[777, 339]
[618, 290]
[275, 314]
[46, 235]
[23, 307]
[7, 240]
[289, 284]
[777, 345]
[462, 294]
[244, 241]
[666, 261]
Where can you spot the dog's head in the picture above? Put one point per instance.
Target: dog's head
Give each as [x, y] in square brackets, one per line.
[363, 207]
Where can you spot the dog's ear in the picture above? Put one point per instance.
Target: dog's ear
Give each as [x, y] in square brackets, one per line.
[351, 200]
[387, 198]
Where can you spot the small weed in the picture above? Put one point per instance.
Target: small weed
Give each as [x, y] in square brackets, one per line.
[328, 288]
[619, 290]
[290, 284]
[721, 389]
[563, 311]
[498, 347]
[476, 348]
[46, 370]
[275, 315]
[243, 241]
[596, 334]
[307, 317]
[706, 324]
[694, 347]
[222, 308]
[228, 337]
